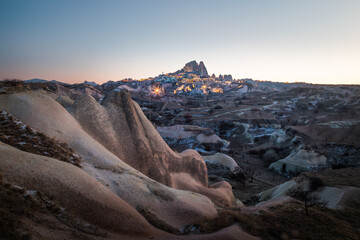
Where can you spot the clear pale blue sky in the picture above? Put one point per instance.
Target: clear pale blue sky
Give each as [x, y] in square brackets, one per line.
[279, 40]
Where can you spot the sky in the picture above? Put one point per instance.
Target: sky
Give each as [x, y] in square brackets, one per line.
[315, 41]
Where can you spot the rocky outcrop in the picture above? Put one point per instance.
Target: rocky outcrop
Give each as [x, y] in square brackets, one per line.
[223, 159]
[226, 77]
[133, 138]
[175, 207]
[112, 137]
[72, 188]
[120, 126]
[202, 68]
[297, 162]
[84, 206]
[194, 67]
[203, 135]
[334, 197]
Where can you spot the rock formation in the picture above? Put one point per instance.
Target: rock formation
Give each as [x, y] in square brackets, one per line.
[335, 197]
[228, 77]
[203, 71]
[133, 138]
[203, 135]
[69, 186]
[223, 159]
[195, 68]
[122, 128]
[298, 162]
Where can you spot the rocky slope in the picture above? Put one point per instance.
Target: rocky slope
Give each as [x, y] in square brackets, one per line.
[120, 125]
[119, 120]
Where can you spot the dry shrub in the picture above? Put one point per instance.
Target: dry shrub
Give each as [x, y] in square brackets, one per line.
[19, 212]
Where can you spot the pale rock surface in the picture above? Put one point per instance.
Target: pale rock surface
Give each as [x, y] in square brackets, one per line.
[202, 138]
[298, 162]
[175, 132]
[121, 127]
[223, 159]
[187, 131]
[71, 188]
[335, 197]
[172, 206]
[279, 136]
[277, 191]
[65, 101]
[87, 199]
[130, 89]
[175, 207]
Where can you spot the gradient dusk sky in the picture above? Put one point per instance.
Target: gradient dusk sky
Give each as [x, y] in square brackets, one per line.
[72, 41]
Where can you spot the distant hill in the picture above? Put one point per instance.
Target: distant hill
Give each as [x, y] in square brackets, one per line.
[39, 80]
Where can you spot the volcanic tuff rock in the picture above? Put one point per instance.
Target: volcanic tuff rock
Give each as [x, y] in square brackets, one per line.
[121, 126]
[132, 137]
[194, 67]
[69, 186]
[44, 114]
[203, 135]
[81, 203]
[119, 113]
[223, 159]
[300, 161]
[335, 197]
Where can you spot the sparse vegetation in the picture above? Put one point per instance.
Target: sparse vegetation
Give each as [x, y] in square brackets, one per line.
[23, 213]
[289, 222]
[338, 177]
[15, 85]
[23, 137]
[307, 195]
